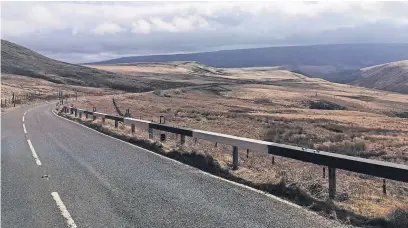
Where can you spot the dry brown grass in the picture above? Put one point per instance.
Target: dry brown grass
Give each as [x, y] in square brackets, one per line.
[281, 116]
[22, 85]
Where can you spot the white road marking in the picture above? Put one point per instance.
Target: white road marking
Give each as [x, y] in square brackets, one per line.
[23, 118]
[25, 131]
[37, 160]
[63, 209]
[26, 112]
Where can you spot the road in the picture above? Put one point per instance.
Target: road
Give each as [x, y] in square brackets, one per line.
[56, 173]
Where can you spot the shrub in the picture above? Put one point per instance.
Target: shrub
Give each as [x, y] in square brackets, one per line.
[325, 105]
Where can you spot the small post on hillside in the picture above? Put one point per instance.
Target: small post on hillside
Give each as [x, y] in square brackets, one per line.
[182, 139]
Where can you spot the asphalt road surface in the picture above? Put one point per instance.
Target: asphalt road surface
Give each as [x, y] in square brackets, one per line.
[55, 173]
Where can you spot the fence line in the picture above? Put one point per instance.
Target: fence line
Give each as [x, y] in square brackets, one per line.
[333, 161]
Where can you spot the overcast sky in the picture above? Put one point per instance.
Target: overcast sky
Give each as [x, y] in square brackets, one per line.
[80, 32]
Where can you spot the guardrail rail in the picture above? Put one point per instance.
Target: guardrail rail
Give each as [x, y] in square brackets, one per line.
[333, 161]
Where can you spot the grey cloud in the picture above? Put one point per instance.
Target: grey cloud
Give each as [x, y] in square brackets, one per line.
[227, 29]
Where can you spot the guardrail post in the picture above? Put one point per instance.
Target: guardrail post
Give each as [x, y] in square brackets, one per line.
[182, 139]
[332, 182]
[80, 115]
[133, 128]
[273, 160]
[103, 119]
[162, 137]
[76, 112]
[247, 153]
[324, 172]
[384, 187]
[86, 115]
[234, 157]
[93, 113]
[150, 133]
[116, 123]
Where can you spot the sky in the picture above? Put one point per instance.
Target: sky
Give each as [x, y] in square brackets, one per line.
[80, 32]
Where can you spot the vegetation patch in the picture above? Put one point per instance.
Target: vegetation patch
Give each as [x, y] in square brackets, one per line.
[263, 101]
[324, 105]
[400, 114]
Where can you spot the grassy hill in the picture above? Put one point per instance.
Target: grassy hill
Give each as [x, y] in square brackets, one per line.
[335, 62]
[18, 60]
[390, 76]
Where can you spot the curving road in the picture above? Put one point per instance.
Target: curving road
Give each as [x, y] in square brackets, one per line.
[55, 173]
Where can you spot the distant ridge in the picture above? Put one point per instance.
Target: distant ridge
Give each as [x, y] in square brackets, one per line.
[339, 55]
[390, 76]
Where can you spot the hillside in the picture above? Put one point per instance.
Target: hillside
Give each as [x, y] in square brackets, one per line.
[390, 76]
[18, 60]
[270, 103]
[338, 63]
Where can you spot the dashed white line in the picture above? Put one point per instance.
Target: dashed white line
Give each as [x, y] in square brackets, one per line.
[63, 209]
[23, 118]
[25, 131]
[37, 160]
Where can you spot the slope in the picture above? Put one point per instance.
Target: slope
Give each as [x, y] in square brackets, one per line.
[390, 76]
[18, 60]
